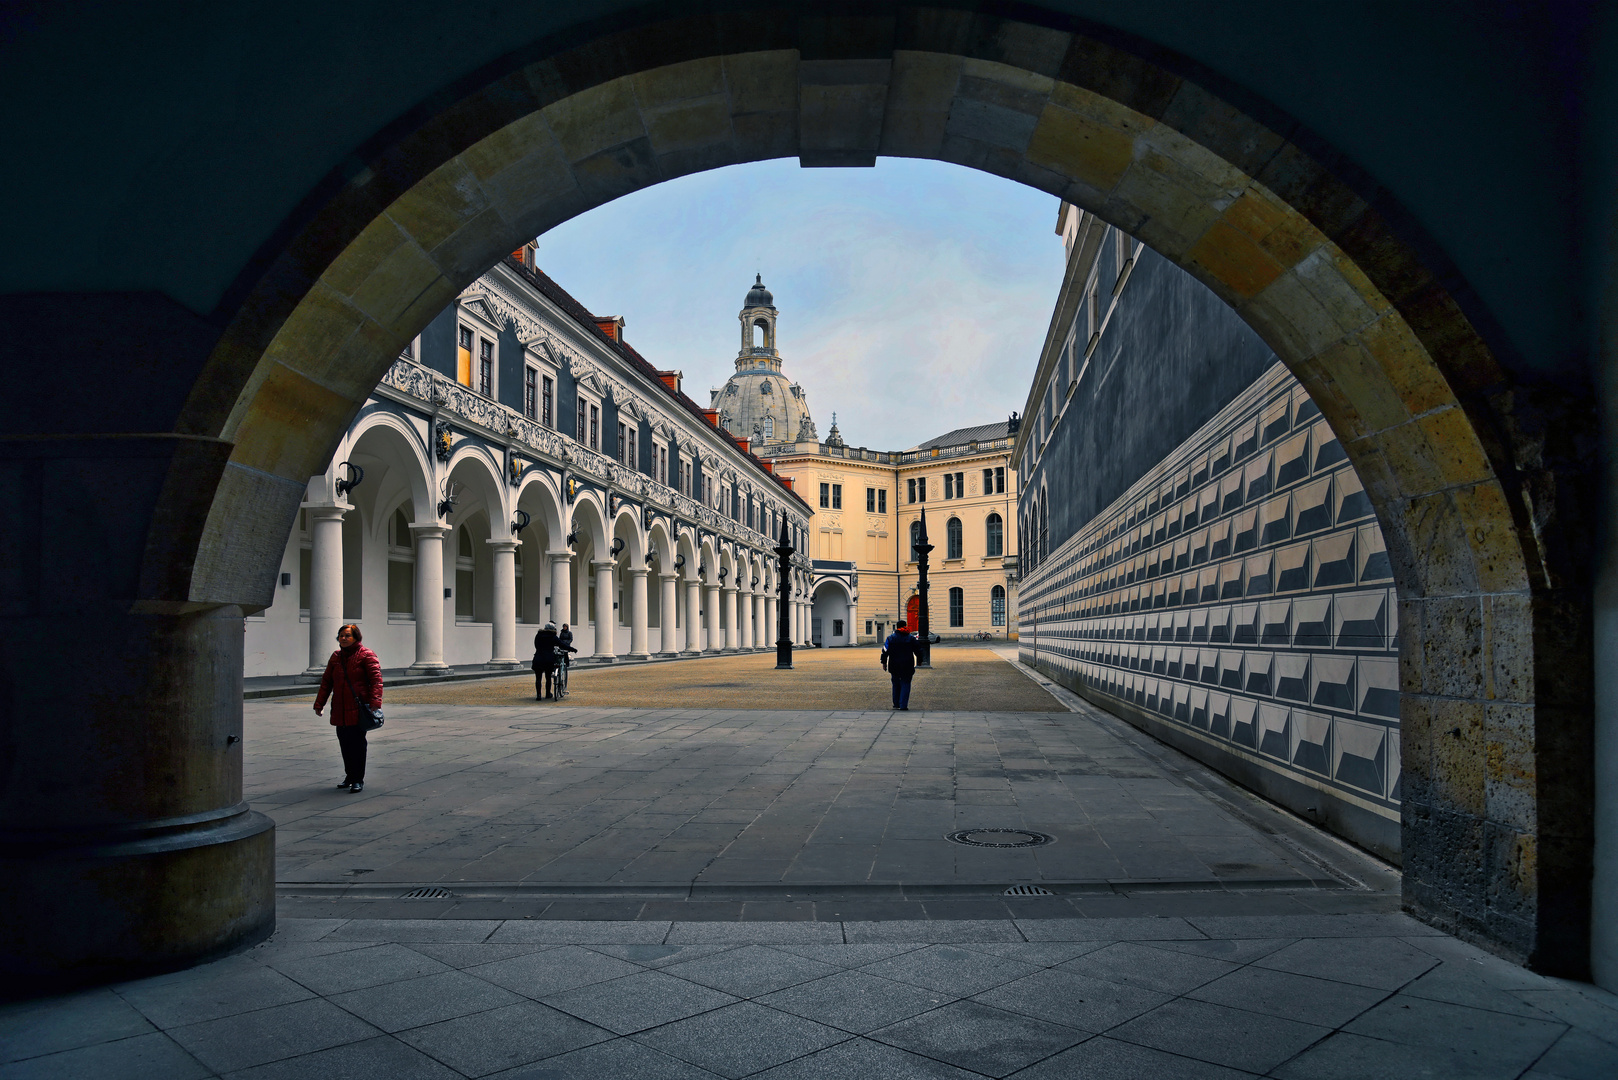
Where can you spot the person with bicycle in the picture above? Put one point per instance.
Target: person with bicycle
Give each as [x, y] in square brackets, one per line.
[549, 653]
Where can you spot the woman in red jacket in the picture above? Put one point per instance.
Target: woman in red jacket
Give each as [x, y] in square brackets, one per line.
[353, 669]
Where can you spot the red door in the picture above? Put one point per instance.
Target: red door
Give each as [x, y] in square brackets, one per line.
[913, 614]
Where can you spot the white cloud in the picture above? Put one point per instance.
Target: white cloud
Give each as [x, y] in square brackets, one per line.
[914, 297]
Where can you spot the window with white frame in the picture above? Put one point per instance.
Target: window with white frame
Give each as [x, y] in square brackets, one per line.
[401, 566]
[530, 392]
[663, 465]
[547, 401]
[463, 355]
[486, 367]
[623, 442]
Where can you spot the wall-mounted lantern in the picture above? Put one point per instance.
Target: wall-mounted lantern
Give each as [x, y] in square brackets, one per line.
[617, 545]
[521, 522]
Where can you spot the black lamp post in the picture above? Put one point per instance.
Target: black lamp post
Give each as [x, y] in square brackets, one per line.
[924, 650]
[783, 577]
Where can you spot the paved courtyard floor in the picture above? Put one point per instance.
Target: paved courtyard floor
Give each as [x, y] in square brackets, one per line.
[1304, 997]
[712, 888]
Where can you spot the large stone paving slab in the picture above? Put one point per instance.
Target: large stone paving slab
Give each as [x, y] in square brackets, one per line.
[494, 803]
[604, 999]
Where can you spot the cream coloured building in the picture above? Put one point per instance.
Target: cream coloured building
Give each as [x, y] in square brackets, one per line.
[866, 504]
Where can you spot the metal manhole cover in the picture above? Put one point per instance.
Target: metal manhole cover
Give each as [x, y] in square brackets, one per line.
[430, 893]
[1000, 838]
[1027, 890]
[539, 725]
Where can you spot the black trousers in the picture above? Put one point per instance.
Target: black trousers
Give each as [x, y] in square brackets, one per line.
[351, 738]
[543, 678]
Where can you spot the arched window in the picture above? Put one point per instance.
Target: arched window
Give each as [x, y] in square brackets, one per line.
[915, 540]
[952, 538]
[997, 605]
[957, 607]
[996, 539]
[769, 427]
[1044, 528]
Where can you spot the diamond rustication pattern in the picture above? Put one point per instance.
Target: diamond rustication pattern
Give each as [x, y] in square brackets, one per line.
[1241, 589]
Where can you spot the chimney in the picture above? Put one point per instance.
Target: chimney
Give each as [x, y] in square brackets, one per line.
[712, 416]
[744, 443]
[787, 480]
[611, 325]
[671, 379]
[769, 465]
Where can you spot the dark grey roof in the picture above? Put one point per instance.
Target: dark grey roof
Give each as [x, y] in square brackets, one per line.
[962, 436]
[758, 295]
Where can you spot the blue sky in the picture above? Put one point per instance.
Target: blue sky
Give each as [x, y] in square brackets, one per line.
[914, 296]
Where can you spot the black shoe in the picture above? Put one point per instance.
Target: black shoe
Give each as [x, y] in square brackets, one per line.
[356, 787]
[344, 786]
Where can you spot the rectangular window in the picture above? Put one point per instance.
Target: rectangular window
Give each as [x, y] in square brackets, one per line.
[910, 490]
[825, 496]
[486, 368]
[663, 465]
[530, 393]
[686, 487]
[595, 428]
[949, 485]
[957, 607]
[546, 398]
[921, 490]
[999, 479]
[633, 457]
[463, 357]
[870, 500]
[837, 496]
[623, 444]
[882, 500]
[578, 422]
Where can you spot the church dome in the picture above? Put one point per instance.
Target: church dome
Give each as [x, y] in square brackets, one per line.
[758, 295]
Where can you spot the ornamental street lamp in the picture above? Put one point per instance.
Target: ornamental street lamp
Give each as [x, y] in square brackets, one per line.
[783, 628]
[924, 651]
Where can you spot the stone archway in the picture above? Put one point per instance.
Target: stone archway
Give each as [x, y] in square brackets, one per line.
[1465, 466]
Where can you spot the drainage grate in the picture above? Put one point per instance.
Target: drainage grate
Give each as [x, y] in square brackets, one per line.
[1000, 838]
[1027, 890]
[430, 893]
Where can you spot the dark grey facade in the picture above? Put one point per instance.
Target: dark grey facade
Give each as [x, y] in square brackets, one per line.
[1198, 556]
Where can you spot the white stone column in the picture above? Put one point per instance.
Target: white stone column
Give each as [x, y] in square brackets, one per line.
[665, 610]
[561, 585]
[744, 621]
[853, 623]
[325, 584]
[606, 618]
[638, 647]
[503, 633]
[429, 600]
[730, 619]
[716, 635]
[693, 616]
[771, 630]
[761, 628]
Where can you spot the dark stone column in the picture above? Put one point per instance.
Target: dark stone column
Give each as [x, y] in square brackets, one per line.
[125, 846]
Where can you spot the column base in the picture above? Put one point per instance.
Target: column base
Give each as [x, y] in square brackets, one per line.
[668, 655]
[310, 675]
[119, 910]
[429, 669]
[691, 652]
[638, 656]
[599, 658]
[505, 665]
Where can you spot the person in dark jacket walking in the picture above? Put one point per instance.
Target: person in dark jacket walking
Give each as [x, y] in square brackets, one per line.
[549, 651]
[899, 657]
[352, 670]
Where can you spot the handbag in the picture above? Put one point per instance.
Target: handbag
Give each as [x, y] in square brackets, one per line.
[370, 719]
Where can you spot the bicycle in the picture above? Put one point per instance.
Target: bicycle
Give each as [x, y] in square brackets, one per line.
[559, 685]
